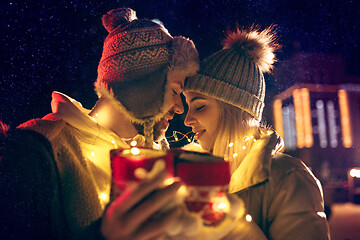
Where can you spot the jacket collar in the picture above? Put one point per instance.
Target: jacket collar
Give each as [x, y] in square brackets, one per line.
[73, 113]
[255, 168]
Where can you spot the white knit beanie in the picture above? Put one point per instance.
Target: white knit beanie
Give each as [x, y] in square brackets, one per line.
[235, 74]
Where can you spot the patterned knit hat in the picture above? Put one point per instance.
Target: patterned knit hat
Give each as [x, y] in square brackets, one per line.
[138, 57]
[235, 74]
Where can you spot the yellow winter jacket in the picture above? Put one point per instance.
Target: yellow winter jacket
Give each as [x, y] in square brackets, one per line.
[81, 149]
[280, 193]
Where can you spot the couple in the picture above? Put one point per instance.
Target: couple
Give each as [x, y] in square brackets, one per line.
[57, 168]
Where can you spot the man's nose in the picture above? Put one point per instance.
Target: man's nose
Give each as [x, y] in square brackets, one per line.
[178, 106]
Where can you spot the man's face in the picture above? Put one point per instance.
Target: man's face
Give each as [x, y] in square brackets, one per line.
[176, 84]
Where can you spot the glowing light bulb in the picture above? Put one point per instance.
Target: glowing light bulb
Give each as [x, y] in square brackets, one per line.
[169, 181]
[93, 119]
[243, 147]
[112, 141]
[92, 154]
[355, 173]
[246, 139]
[135, 151]
[103, 196]
[182, 191]
[248, 218]
[133, 143]
[321, 214]
[235, 154]
[220, 205]
[231, 144]
[96, 115]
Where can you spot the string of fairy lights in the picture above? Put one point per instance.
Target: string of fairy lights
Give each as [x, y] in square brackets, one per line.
[190, 137]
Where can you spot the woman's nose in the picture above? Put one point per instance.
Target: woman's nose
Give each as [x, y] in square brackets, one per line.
[189, 120]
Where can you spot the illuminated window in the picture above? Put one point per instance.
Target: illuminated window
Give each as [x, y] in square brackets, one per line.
[305, 96]
[320, 111]
[289, 127]
[332, 124]
[278, 117]
[299, 118]
[303, 117]
[345, 119]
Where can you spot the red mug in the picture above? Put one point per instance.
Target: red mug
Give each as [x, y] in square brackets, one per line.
[125, 163]
[206, 179]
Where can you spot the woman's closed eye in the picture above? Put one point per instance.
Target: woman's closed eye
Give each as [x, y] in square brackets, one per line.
[175, 92]
[200, 108]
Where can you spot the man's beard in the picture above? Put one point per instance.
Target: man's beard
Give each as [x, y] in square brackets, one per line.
[159, 132]
[160, 127]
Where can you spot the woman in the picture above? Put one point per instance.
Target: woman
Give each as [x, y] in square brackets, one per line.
[226, 101]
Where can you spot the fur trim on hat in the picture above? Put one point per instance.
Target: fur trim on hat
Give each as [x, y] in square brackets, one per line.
[147, 123]
[109, 94]
[257, 45]
[185, 58]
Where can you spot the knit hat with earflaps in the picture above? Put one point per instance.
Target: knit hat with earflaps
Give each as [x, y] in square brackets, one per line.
[138, 57]
[235, 74]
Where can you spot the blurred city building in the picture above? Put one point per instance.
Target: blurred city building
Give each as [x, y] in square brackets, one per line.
[317, 112]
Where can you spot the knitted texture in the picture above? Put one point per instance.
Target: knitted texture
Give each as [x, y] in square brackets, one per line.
[235, 74]
[137, 59]
[134, 63]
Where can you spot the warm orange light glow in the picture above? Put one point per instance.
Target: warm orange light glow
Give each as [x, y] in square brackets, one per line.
[355, 172]
[220, 205]
[248, 218]
[321, 214]
[182, 191]
[303, 122]
[133, 143]
[345, 119]
[278, 118]
[135, 151]
[299, 118]
[305, 96]
[169, 181]
[103, 196]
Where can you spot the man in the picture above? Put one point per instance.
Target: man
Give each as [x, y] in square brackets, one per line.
[57, 169]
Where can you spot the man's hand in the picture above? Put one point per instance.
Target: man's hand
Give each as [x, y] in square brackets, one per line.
[131, 215]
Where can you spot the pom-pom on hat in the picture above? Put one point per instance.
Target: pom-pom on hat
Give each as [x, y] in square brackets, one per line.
[235, 74]
[138, 57]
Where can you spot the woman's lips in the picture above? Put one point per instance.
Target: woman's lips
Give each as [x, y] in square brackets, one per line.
[199, 134]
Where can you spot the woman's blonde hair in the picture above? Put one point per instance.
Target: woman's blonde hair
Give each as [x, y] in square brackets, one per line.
[237, 130]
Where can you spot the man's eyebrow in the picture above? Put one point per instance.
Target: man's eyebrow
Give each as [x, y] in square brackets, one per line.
[196, 98]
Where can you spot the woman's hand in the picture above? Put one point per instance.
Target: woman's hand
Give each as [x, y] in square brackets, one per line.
[131, 215]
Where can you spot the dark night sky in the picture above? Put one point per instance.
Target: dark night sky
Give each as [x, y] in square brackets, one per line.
[51, 45]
